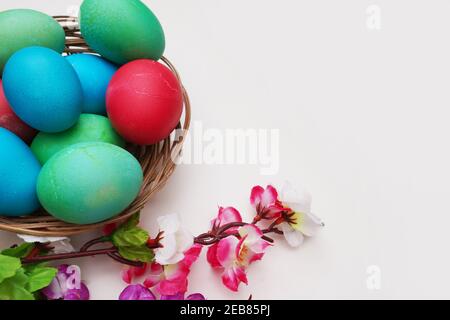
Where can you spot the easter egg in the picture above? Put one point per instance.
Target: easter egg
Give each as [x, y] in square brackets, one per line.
[43, 89]
[21, 28]
[89, 128]
[121, 30]
[94, 74]
[89, 182]
[19, 170]
[10, 121]
[144, 101]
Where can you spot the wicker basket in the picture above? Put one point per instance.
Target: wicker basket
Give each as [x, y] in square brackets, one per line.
[156, 161]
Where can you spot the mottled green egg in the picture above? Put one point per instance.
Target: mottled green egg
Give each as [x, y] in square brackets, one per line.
[21, 28]
[89, 128]
[122, 30]
[89, 182]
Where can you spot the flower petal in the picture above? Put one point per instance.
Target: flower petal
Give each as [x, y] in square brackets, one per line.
[156, 268]
[253, 240]
[152, 280]
[53, 291]
[78, 294]
[211, 256]
[169, 223]
[266, 202]
[32, 239]
[226, 251]
[176, 258]
[136, 292]
[184, 240]
[256, 195]
[127, 275]
[169, 249]
[297, 200]
[228, 215]
[269, 196]
[232, 277]
[62, 246]
[174, 285]
[196, 296]
[179, 296]
[263, 197]
[310, 224]
[191, 255]
[139, 271]
[251, 231]
[246, 255]
[293, 237]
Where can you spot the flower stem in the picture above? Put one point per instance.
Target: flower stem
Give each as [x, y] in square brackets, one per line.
[207, 238]
[71, 255]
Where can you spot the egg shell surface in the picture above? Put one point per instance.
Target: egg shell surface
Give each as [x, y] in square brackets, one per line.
[19, 170]
[94, 73]
[122, 30]
[144, 101]
[21, 28]
[89, 182]
[43, 89]
[89, 128]
[9, 120]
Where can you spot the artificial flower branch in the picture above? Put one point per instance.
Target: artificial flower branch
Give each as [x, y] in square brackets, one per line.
[165, 261]
[206, 239]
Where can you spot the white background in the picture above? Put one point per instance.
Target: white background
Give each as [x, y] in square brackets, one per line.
[363, 117]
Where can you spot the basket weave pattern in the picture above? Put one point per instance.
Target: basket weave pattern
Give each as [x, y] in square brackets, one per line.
[156, 161]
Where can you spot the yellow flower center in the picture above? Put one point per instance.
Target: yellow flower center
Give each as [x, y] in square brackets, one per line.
[297, 220]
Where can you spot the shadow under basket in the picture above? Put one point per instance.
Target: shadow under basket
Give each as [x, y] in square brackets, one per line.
[157, 161]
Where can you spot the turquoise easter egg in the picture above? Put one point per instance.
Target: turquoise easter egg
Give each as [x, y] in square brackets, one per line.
[95, 74]
[19, 170]
[43, 89]
[122, 30]
[21, 28]
[89, 128]
[89, 182]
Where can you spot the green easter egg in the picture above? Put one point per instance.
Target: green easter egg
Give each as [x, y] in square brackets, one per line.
[122, 30]
[21, 28]
[89, 128]
[89, 182]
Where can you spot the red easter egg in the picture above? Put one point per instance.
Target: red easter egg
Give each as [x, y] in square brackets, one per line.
[144, 101]
[11, 122]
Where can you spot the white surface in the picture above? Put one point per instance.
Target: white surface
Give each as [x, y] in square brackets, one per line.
[363, 116]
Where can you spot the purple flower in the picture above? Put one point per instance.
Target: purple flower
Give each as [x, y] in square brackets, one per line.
[180, 296]
[139, 292]
[136, 292]
[196, 296]
[67, 285]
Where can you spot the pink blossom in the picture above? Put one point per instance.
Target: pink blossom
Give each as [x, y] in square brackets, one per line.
[225, 216]
[233, 255]
[168, 280]
[266, 202]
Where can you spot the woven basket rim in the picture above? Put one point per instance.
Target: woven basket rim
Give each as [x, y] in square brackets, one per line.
[157, 160]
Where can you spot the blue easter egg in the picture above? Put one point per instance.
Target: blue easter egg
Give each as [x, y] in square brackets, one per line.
[95, 74]
[43, 89]
[19, 170]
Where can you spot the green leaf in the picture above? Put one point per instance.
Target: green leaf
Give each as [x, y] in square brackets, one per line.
[29, 268]
[132, 222]
[13, 288]
[134, 237]
[8, 267]
[20, 251]
[40, 277]
[142, 254]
